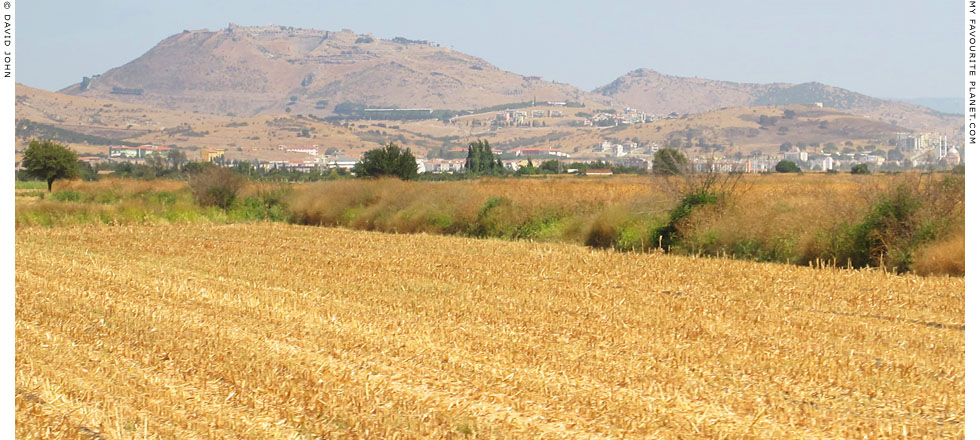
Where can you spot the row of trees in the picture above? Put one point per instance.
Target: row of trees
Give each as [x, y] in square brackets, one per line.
[49, 161]
[480, 159]
[788, 166]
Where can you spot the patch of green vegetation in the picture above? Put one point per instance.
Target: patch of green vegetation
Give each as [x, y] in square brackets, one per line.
[667, 236]
[30, 184]
[66, 196]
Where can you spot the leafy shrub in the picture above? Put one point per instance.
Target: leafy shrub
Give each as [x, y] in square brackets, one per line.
[861, 168]
[667, 236]
[905, 218]
[215, 186]
[488, 221]
[787, 166]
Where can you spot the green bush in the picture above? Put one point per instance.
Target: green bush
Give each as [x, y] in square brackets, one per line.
[215, 186]
[632, 236]
[667, 236]
[861, 168]
[489, 219]
[898, 223]
[787, 166]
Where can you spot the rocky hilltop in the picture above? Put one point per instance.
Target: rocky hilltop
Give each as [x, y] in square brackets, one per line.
[245, 71]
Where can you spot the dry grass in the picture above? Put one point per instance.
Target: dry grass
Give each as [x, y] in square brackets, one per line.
[275, 331]
[121, 188]
[783, 218]
[450, 207]
[943, 257]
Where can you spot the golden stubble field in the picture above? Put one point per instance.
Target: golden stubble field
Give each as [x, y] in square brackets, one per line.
[273, 331]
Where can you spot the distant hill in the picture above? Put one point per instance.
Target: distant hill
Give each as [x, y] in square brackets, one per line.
[89, 125]
[245, 71]
[652, 91]
[736, 129]
[952, 106]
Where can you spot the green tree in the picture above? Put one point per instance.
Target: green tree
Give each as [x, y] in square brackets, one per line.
[527, 169]
[552, 166]
[787, 166]
[480, 159]
[471, 158]
[176, 158]
[486, 157]
[861, 168]
[786, 146]
[49, 161]
[669, 161]
[387, 161]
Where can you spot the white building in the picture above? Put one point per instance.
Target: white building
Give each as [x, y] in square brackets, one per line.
[822, 163]
[338, 162]
[443, 165]
[312, 150]
[796, 156]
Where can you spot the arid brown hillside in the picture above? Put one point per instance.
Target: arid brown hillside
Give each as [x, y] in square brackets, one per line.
[91, 125]
[66, 118]
[245, 71]
[655, 92]
[735, 129]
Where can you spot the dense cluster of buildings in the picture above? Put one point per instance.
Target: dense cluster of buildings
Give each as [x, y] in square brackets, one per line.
[916, 150]
[628, 116]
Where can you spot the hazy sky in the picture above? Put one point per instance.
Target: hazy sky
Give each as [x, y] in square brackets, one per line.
[890, 49]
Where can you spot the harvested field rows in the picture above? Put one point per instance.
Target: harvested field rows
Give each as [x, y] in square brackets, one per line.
[266, 331]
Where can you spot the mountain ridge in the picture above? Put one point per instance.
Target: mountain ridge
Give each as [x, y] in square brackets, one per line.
[652, 91]
[267, 69]
[244, 71]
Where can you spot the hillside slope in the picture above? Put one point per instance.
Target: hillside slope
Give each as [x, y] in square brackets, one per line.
[251, 70]
[652, 91]
[91, 125]
[62, 117]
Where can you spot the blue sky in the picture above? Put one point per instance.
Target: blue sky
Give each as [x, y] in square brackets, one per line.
[890, 49]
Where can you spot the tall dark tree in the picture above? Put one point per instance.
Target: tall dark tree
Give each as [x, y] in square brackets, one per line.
[486, 157]
[471, 159]
[480, 159]
[49, 161]
[389, 160]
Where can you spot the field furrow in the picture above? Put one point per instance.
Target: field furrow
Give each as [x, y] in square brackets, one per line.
[276, 331]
